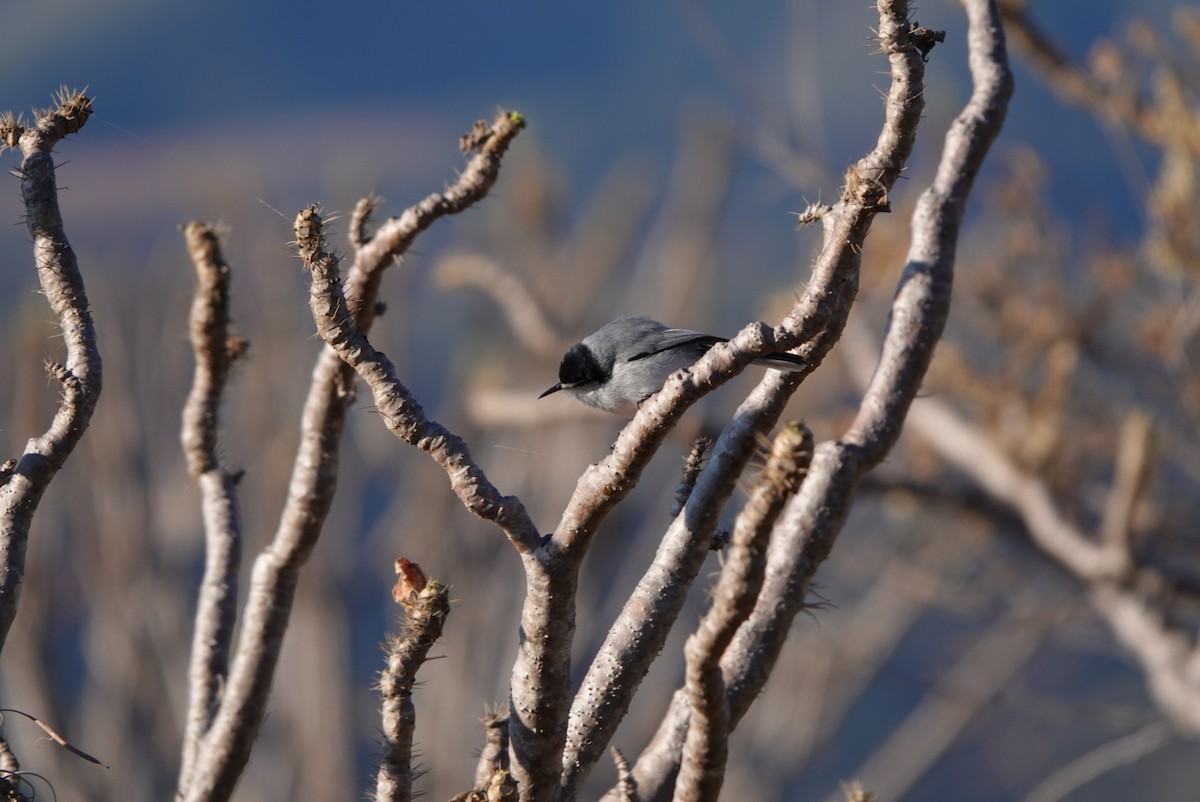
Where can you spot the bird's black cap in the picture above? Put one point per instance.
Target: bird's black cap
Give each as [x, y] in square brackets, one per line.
[579, 368]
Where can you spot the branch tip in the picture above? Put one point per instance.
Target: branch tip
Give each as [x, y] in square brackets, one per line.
[812, 213]
[71, 112]
[481, 134]
[11, 128]
[923, 39]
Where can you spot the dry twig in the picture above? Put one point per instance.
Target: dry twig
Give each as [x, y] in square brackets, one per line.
[702, 767]
[426, 611]
[216, 609]
[79, 375]
[226, 748]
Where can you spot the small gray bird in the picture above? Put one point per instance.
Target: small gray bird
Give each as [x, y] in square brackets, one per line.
[629, 359]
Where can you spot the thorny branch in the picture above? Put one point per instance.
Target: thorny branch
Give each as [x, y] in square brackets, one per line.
[636, 637]
[216, 609]
[705, 751]
[810, 524]
[226, 747]
[494, 755]
[426, 608]
[817, 317]
[401, 413]
[79, 375]
[824, 303]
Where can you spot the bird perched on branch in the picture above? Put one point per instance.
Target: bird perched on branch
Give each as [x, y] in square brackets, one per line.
[629, 359]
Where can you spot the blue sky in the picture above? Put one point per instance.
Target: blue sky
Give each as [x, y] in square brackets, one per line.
[307, 101]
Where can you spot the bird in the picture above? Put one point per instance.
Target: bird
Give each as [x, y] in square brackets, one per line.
[624, 362]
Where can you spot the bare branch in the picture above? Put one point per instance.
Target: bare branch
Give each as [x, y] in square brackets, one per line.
[514, 297]
[637, 636]
[1106, 91]
[626, 785]
[1135, 451]
[80, 374]
[812, 520]
[1167, 651]
[215, 350]
[691, 472]
[867, 186]
[962, 692]
[427, 608]
[1104, 758]
[401, 413]
[216, 608]
[494, 755]
[1108, 568]
[705, 751]
[968, 449]
[393, 238]
[360, 219]
[818, 315]
[226, 748]
[489, 407]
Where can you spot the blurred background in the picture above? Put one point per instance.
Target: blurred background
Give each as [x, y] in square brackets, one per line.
[667, 145]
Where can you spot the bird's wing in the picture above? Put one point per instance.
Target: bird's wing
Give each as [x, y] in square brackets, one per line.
[674, 338]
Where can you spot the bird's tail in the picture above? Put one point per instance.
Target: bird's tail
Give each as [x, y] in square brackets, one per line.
[783, 361]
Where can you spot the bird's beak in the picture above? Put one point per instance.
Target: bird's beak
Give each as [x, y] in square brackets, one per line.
[553, 389]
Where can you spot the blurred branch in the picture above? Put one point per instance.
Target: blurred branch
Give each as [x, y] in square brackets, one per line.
[226, 748]
[1105, 89]
[969, 449]
[805, 533]
[79, 376]
[677, 265]
[1112, 755]
[512, 294]
[1145, 87]
[602, 242]
[1135, 453]
[360, 219]
[1130, 594]
[490, 408]
[692, 466]
[854, 655]
[960, 695]
[1165, 648]
[216, 609]
[772, 138]
[494, 755]
[705, 751]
